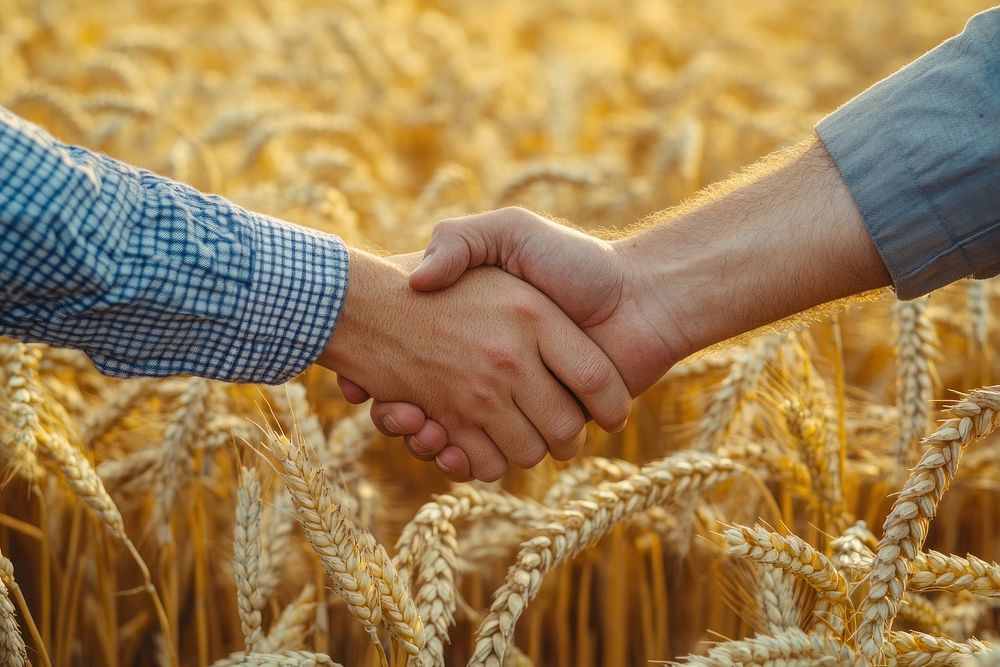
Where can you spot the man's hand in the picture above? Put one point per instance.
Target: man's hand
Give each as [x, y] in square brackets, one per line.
[490, 359]
[782, 241]
[590, 279]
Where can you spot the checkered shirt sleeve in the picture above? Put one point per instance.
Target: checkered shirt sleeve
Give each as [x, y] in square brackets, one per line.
[151, 277]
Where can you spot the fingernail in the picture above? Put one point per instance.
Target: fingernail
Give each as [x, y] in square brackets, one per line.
[425, 262]
[442, 467]
[392, 425]
[622, 427]
[419, 446]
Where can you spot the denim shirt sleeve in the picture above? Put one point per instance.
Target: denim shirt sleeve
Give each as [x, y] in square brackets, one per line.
[920, 153]
[151, 277]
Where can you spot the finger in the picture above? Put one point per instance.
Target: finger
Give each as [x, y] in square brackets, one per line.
[518, 439]
[554, 413]
[352, 392]
[486, 462]
[393, 418]
[428, 442]
[460, 244]
[454, 463]
[586, 371]
[416, 452]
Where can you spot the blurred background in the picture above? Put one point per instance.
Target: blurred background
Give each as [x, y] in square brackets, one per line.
[372, 120]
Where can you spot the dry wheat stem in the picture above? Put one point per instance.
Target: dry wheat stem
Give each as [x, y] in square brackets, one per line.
[579, 525]
[905, 528]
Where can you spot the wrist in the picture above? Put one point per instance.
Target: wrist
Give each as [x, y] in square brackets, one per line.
[376, 290]
[775, 246]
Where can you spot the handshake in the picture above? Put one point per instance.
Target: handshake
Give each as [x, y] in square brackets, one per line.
[508, 362]
[514, 330]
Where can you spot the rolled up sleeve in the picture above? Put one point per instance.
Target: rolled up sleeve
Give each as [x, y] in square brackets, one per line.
[920, 153]
[151, 277]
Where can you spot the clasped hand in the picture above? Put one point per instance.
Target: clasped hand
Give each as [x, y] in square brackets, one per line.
[476, 366]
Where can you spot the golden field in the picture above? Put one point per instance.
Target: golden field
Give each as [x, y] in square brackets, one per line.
[723, 522]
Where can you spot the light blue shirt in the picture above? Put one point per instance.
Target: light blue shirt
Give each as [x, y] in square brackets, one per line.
[920, 152]
[151, 277]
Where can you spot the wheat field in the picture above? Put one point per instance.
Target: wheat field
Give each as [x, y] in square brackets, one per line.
[780, 500]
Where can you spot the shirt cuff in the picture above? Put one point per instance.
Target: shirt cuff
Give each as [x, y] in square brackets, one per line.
[298, 283]
[920, 154]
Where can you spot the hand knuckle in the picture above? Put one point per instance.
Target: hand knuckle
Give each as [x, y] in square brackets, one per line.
[530, 457]
[566, 428]
[505, 358]
[593, 375]
[484, 396]
[493, 471]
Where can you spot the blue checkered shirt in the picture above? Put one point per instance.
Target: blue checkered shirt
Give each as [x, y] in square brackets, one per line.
[151, 277]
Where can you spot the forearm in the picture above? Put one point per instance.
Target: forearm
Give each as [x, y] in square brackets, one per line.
[783, 243]
[151, 277]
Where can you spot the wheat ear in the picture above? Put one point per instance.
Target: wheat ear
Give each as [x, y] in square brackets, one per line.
[793, 555]
[329, 532]
[915, 351]
[932, 570]
[278, 659]
[292, 626]
[905, 528]
[776, 598]
[246, 557]
[919, 649]
[21, 366]
[790, 647]
[579, 525]
[13, 652]
[429, 541]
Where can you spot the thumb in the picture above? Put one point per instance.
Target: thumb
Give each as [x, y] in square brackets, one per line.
[353, 392]
[458, 245]
[447, 257]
